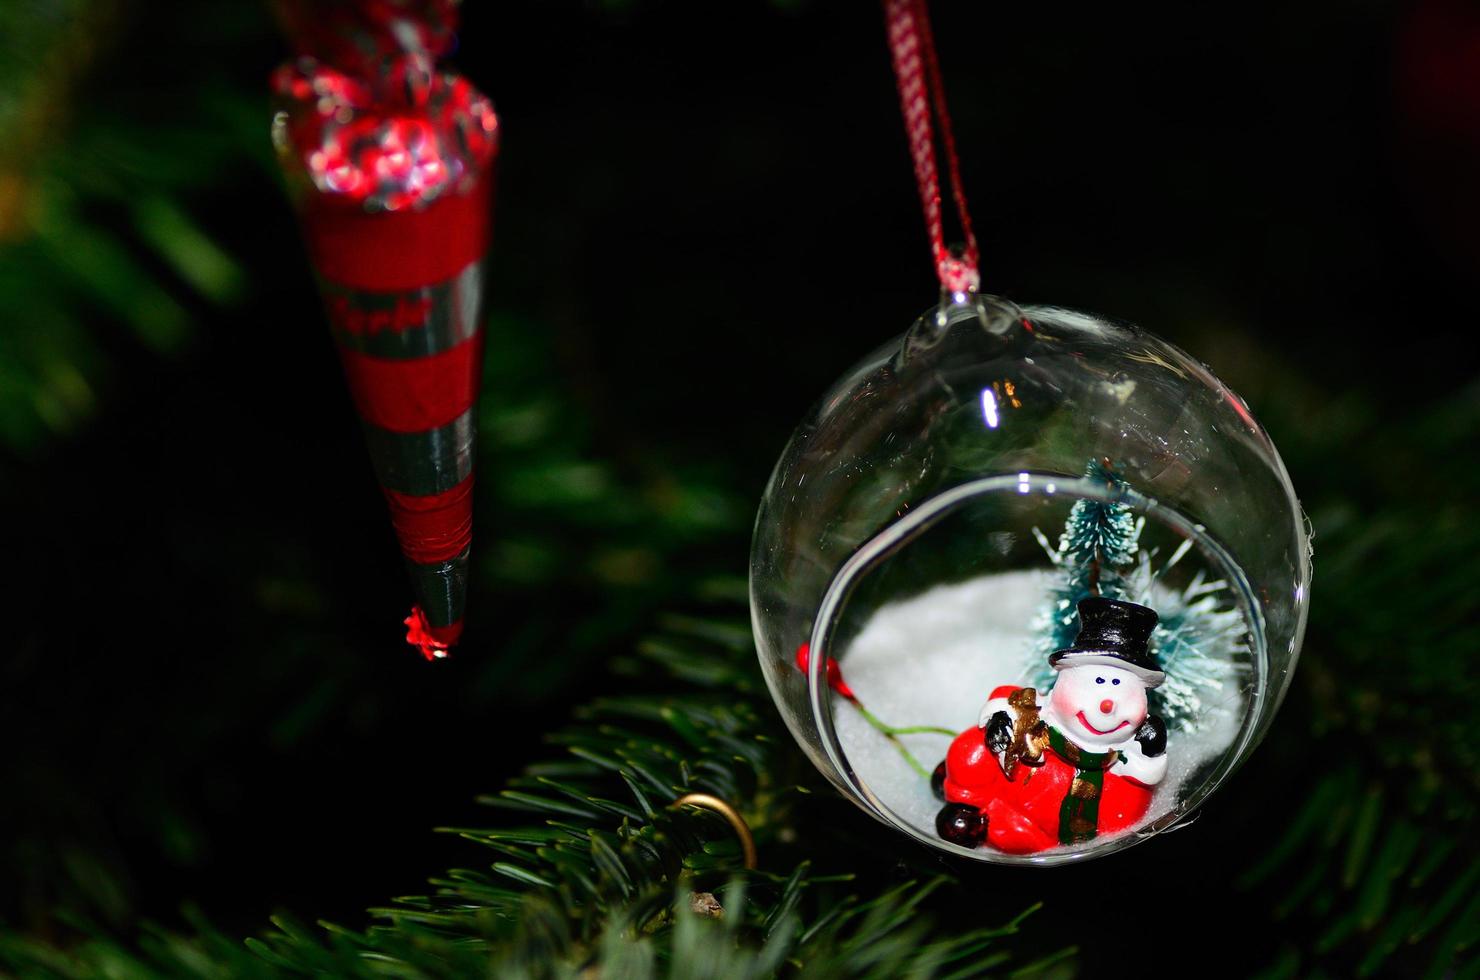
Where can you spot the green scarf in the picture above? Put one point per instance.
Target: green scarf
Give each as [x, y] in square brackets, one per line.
[1079, 816]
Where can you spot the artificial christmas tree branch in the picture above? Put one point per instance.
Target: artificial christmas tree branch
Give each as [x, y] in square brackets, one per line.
[1374, 869]
[595, 871]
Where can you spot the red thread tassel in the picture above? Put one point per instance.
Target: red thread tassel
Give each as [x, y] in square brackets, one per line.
[423, 636]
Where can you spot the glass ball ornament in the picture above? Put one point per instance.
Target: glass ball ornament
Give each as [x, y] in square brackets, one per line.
[929, 529]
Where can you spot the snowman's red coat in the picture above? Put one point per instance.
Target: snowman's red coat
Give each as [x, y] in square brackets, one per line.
[1023, 812]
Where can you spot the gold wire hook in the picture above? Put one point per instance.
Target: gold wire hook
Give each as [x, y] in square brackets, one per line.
[737, 822]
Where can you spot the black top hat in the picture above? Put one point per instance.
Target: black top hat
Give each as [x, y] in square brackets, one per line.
[1113, 633]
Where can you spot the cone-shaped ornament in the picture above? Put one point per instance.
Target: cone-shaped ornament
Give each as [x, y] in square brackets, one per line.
[390, 173]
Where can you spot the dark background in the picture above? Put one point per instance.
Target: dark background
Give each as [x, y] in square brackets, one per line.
[705, 213]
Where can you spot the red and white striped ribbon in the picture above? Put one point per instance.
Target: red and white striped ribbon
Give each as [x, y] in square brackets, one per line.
[921, 94]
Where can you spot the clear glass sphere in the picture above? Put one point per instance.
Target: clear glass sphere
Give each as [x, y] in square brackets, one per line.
[910, 538]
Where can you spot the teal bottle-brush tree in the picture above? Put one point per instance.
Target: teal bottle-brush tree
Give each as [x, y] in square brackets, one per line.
[1197, 640]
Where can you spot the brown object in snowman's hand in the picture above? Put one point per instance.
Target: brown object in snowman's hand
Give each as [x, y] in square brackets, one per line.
[1095, 753]
[1021, 737]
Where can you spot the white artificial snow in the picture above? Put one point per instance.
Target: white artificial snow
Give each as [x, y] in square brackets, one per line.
[933, 660]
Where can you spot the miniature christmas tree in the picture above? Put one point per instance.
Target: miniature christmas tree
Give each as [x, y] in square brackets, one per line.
[1096, 552]
[1199, 641]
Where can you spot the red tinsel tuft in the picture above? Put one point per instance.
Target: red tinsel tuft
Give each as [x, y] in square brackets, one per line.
[419, 635]
[398, 138]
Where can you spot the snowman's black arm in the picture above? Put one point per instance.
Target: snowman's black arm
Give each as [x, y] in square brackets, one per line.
[999, 732]
[1153, 736]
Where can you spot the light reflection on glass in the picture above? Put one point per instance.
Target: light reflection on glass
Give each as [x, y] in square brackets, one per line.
[989, 407]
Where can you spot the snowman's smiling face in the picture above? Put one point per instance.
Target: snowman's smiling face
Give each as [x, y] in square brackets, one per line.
[1098, 706]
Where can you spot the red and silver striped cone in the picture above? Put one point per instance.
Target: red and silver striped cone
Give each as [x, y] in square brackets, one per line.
[394, 194]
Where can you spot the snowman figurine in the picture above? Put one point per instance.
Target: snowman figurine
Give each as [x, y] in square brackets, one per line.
[1030, 776]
